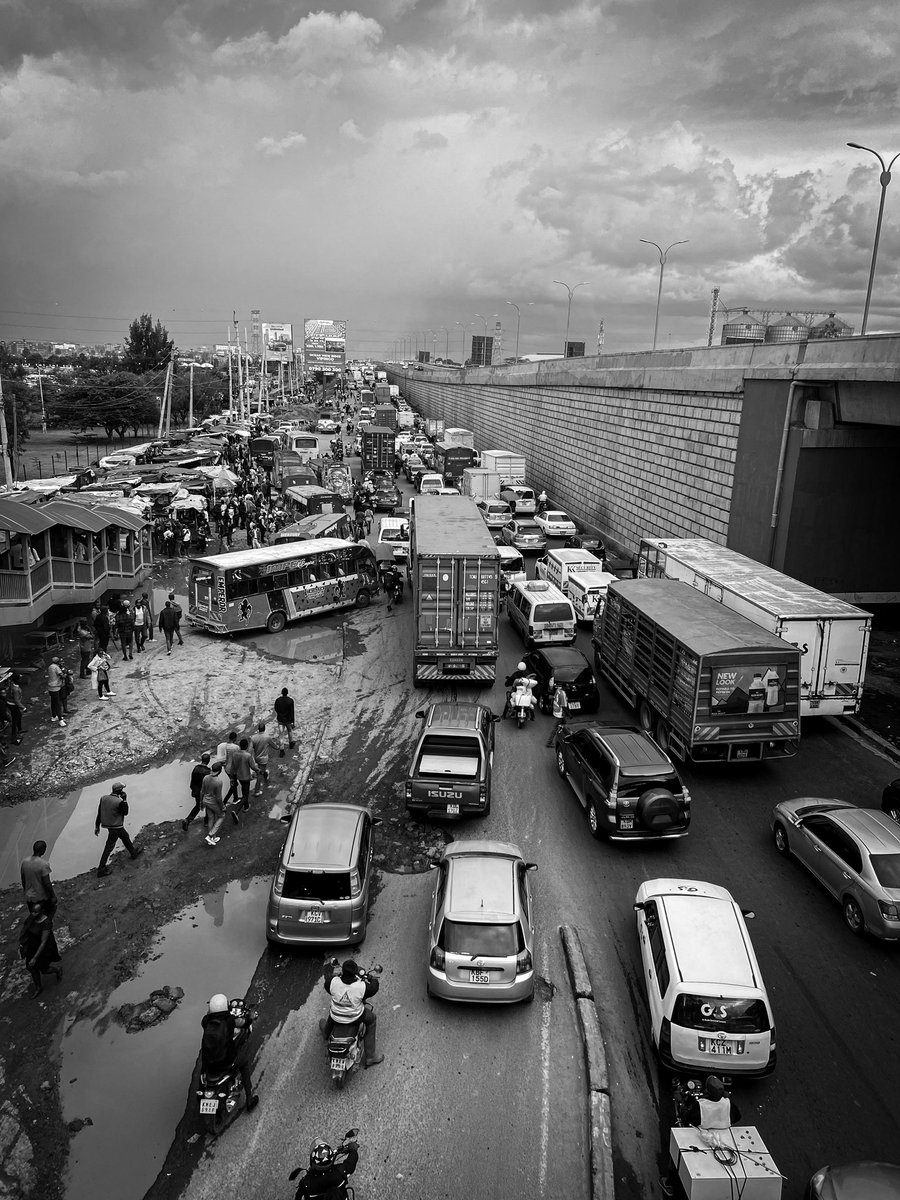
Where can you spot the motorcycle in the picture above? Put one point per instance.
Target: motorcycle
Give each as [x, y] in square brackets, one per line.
[522, 699]
[344, 1190]
[686, 1090]
[345, 1044]
[220, 1092]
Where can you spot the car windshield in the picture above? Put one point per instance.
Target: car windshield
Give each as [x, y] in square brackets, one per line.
[456, 756]
[510, 563]
[394, 535]
[482, 941]
[527, 527]
[316, 885]
[887, 869]
[719, 1014]
[556, 517]
[573, 673]
[552, 612]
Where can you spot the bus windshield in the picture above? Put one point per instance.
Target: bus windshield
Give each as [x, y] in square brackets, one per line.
[271, 586]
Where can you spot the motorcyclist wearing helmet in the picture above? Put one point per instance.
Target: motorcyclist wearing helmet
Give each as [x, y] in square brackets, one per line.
[328, 1169]
[521, 672]
[349, 994]
[226, 1044]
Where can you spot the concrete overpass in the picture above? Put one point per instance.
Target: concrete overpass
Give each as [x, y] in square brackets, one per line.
[787, 453]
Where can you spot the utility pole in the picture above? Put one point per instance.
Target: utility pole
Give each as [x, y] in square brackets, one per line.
[713, 315]
[43, 409]
[240, 367]
[4, 442]
[169, 389]
[191, 400]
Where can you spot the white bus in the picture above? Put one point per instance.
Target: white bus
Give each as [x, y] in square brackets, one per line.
[832, 635]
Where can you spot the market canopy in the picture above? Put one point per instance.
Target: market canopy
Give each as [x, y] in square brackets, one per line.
[221, 477]
[20, 516]
[76, 516]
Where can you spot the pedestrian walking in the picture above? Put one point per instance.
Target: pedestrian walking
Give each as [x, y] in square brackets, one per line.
[177, 607]
[168, 538]
[16, 706]
[148, 606]
[34, 871]
[211, 799]
[560, 711]
[38, 948]
[369, 517]
[102, 665]
[125, 630]
[141, 621]
[111, 813]
[55, 682]
[85, 638]
[168, 625]
[284, 712]
[226, 751]
[260, 744]
[102, 628]
[244, 770]
[198, 774]
[391, 581]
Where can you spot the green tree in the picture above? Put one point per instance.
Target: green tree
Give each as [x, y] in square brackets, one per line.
[114, 403]
[148, 347]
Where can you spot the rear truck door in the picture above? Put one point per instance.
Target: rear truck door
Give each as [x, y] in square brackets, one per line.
[479, 591]
[844, 647]
[810, 639]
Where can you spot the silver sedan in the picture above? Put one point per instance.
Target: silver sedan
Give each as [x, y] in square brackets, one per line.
[853, 852]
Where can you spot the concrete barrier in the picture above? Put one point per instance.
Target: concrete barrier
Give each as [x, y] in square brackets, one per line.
[600, 1110]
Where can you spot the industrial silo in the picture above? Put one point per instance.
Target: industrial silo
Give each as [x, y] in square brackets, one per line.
[831, 327]
[744, 328]
[788, 329]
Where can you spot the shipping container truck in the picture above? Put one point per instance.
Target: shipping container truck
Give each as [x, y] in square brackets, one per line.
[377, 448]
[711, 685]
[366, 398]
[832, 635]
[456, 588]
[386, 415]
[459, 437]
[434, 427]
[382, 393]
[381, 376]
[480, 484]
[451, 461]
[406, 418]
[394, 390]
[510, 467]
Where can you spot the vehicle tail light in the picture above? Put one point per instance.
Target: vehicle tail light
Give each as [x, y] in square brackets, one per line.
[613, 798]
[408, 790]
[686, 794]
[523, 962]
[355, 884]
[890, 912]
[482, 793]
[438, 958]
[279, 881]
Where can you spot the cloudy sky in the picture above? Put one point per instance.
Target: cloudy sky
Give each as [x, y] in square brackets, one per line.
[406, 164]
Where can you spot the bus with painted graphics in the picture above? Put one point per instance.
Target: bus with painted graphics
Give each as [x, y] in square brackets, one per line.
[272, 586]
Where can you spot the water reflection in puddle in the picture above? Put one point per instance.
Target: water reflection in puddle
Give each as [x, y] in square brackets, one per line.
[133, 1085]
[326, 645]
[66, 824]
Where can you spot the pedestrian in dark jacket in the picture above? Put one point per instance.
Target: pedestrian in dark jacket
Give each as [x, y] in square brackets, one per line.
[198, 774]
[284, 711]
[125, 630]
[101, 628]
[38, 949]
[85, 648]
[145, 600]
[111, 813]
[168, 625]
[178, 615]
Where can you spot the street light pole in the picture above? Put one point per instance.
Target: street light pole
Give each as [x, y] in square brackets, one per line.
[885, 179]
[662, 266]
[518, 320]
[464, 329]
[571, 291]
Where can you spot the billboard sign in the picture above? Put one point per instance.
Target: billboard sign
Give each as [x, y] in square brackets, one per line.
[278, 341]
[324, 344]
[748, 689]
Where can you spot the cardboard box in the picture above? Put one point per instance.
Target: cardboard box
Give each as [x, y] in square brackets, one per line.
[752, 1176]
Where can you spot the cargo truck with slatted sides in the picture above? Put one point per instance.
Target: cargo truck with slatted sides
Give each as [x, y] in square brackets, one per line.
[709, 684]
[456, 589]
[832, 634]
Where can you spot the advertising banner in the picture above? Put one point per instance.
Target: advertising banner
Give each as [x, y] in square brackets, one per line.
[748, 689]
[324, 344]
[278, 341]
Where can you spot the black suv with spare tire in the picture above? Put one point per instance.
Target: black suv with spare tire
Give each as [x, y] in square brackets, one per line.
[628, 787]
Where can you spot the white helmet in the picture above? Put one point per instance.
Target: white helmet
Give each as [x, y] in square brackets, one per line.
[218, 1003]
[521, 667]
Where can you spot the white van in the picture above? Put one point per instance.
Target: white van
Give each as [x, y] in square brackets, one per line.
[541, 613]
[394, 532]
[512, 566]
[556, 566]
[587, 592]
[709, 1011]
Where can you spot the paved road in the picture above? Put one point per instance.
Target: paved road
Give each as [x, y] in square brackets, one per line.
[474, 1103]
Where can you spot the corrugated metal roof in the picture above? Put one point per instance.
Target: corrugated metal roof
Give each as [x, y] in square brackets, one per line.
[17, 516]
[64, 512]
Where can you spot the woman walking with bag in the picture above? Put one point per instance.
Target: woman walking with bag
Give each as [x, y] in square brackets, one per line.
[37, 947]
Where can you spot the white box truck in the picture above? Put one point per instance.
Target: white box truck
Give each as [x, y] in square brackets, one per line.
[510, 467]
[832, 635]
[480, 484]
[459, 437]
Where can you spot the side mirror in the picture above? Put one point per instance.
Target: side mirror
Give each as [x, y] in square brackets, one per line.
[420, 713]
[377, 821]
[638, 907]
[531, 866]
[496, 717]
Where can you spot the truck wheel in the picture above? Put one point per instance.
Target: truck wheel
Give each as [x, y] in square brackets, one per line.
[662, 735]
[363, 599]
[645, 716]
[276, 622]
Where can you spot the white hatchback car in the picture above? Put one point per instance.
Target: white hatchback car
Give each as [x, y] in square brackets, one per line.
[555, 523]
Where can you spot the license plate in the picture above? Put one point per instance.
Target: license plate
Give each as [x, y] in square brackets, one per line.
[742, 753]
[720, 1048]
[209, 1108]
[479, 977]
[574, 705]
[338, 1064]
[626, 823]
[313, 917]
[814, 703]
[452, 810]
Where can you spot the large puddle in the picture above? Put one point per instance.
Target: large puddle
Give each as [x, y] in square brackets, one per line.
[67, 823]
[133, 1085]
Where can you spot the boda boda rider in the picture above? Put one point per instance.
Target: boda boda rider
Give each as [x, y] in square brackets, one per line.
[349, 994]
[226, 1044]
